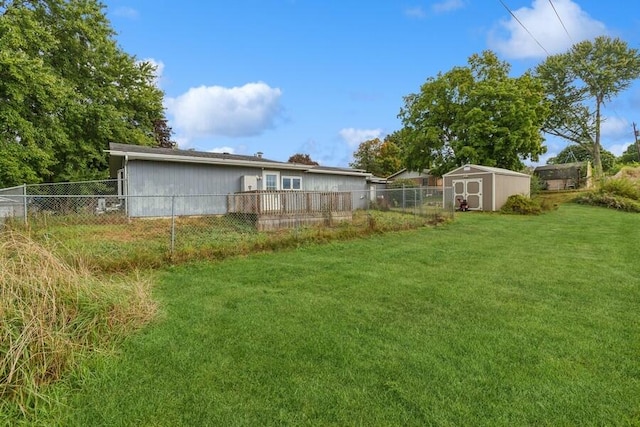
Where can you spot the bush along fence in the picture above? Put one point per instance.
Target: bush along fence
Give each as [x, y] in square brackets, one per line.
[115, 232]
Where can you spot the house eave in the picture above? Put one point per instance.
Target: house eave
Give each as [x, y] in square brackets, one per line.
[339, 172]
[161, 157]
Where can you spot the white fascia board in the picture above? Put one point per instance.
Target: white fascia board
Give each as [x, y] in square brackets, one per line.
[206, 160]
[339, 172]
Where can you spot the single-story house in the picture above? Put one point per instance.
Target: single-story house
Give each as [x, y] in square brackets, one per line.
[564, 176]
[151, 175]
[423, 179]
[484, 188]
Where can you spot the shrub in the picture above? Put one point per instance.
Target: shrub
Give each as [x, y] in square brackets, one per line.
[610, 200]
[519, 204]
[615, 193]
[622, 187]
[537, 185]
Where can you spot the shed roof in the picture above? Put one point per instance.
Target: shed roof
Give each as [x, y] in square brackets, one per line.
[489, 169]
[140, 152]
[560, 166]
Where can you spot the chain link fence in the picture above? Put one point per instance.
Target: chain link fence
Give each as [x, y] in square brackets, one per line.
[113, 230]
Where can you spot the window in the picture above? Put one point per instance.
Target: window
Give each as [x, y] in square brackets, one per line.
[291, 183]
[270, 181]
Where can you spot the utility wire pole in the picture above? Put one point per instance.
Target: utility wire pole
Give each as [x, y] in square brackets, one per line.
[636, 134]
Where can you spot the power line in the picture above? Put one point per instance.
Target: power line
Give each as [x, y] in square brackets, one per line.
[560, 19]
[525, 28]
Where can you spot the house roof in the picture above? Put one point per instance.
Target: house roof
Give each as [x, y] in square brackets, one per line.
[412, 174]
[140, 152]
[560, 166]
[489, 169]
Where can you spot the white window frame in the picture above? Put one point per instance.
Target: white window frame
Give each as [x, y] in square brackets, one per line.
[265, 174]
[293, 179]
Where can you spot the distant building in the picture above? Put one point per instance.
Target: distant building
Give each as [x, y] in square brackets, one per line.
[565, 176]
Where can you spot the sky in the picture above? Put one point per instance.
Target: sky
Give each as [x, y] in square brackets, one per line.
[319, 77]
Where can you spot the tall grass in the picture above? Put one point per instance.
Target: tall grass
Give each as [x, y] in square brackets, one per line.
[51, 315]
[110, 244]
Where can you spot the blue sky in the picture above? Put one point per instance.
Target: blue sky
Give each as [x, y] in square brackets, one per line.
[320, 76]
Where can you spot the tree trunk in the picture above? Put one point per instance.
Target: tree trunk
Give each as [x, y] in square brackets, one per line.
[597, 160]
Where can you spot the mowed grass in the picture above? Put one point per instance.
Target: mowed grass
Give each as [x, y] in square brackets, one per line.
[491, 320]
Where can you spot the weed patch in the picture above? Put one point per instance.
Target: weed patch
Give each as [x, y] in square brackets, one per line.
[52, 314]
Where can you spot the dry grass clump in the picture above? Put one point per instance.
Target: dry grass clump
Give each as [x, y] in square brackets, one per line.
[51, 314]
[629, 172]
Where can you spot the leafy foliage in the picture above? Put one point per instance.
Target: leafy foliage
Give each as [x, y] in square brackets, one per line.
[403, 183]
[536, 185]
[617, 193]
[621, 187]
[380, 157]
[579, 82]
[303, 159]
[474, 114]
[609, 200]
[630, 155]
[519, 204]
[68, 90]
[580, 153]
[162, 133]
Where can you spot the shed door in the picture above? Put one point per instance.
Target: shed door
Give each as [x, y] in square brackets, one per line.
[469, 189]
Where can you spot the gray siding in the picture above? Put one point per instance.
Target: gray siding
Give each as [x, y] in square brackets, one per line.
[201, 189]
[164, 178]
[146, 179]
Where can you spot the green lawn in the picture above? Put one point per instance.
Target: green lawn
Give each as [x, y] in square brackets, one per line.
[491, 320]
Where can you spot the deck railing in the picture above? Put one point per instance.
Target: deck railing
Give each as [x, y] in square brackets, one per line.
[289, 202]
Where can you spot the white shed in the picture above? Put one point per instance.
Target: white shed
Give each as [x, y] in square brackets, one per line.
[484, 188]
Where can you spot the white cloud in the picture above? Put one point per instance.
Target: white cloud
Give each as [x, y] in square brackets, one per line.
[513, 41]
[354, 137]
[447, 6]
[617, 149]
[415, 12]
[126, 12]
[207, 111]
[615, 128]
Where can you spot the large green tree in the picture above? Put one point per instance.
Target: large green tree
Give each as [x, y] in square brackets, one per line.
[379, 157]
[474, 114]
[578, 84]
[630, 155]
[579, 153]
[67, 90]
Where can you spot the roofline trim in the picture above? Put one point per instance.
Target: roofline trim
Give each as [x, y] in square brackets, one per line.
[339, 172]
[133, 155]
[206, 160]
[488, 169]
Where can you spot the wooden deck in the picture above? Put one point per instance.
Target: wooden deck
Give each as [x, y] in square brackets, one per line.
[284, 209]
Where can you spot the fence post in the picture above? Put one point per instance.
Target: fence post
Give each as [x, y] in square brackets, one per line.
[24, 202]
[404, 198]
[173, 224]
